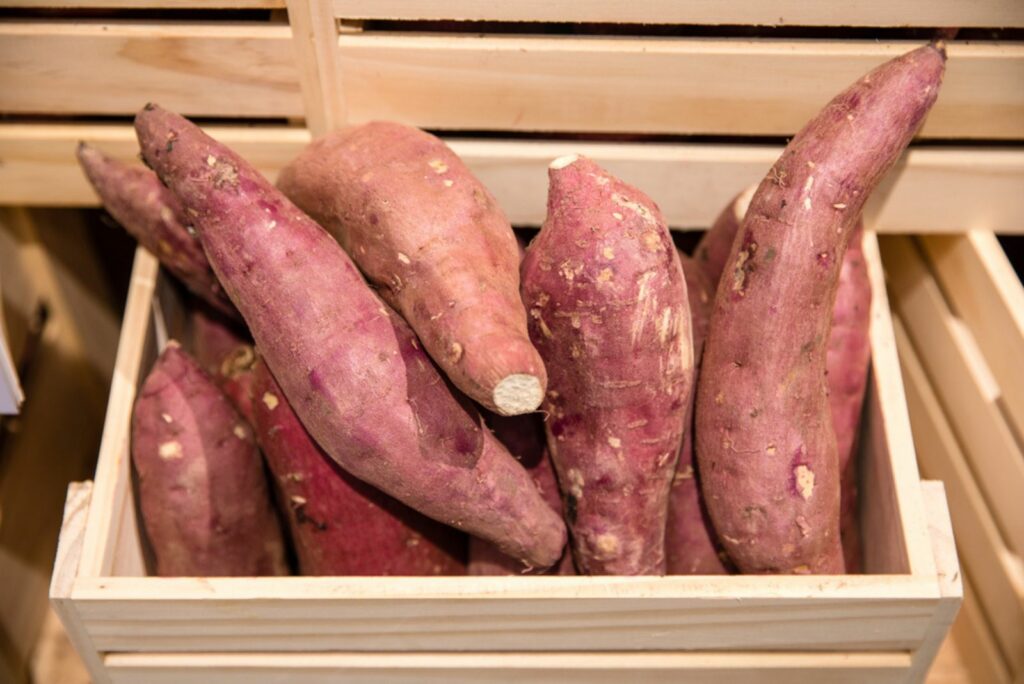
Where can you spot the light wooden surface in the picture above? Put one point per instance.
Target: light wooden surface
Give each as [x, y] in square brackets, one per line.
[147, 4]
[998, 574]
[195, 68]
[979, 282]
[610, 668]
[314, 34]
[655, 85]
[963, 384]
[995, 13]
[978, 649]
[933, 190]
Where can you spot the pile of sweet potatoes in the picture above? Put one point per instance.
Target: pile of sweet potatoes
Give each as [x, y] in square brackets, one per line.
[376, 380]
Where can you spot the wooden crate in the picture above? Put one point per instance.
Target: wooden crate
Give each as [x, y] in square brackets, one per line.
[960, 332]
[885, 625]
[707, 114]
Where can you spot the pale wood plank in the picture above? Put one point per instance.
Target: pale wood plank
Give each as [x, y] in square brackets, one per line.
[934, 190]
[147, 4]
[111, 492]
[976, 642]
[196, 68]
[898, 508]
[314, 36]
[966, 395]
[65, 570]
[998, 573]
[1006, 13]
[610, 668]
[981, 285]
[940, 529]
[655, 85]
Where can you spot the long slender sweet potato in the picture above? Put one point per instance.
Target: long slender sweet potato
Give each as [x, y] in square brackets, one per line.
[350, 367]
[715, 244]
[523, 436]
[848, 356]
[765, 443]
[435, 242]
[339, 524]
[152, 215]
[226, 354]
[203, 494]
[610, 317]
[690, 544]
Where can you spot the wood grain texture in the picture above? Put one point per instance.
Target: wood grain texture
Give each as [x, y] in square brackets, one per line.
[963, 385]
[1006, 13]
[655, 85]
[980, 284]
[146, 4]
[196, 68]
[314, 37]
[998, 574]
[933, 190]
[608, 668]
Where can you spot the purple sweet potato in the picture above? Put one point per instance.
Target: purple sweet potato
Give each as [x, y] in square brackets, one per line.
[609, 314]
[766, 448]
[437, 245]
[690, 544]
[523, 436]
[206, 507]
[339, 524]
[715, 244]
[350, 367]
[152, 215]
[847, 360]
[227, 354]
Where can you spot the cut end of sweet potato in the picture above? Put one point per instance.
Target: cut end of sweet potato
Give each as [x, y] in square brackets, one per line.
[742, 202]
[517, 394]
[564, 161]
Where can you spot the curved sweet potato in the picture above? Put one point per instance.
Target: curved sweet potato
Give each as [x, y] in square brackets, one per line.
[151, 214]
[609, 314]
[206, 508]
[765, 443]
[690, 544]
[433, 239]
[339, 524]
[351, 368]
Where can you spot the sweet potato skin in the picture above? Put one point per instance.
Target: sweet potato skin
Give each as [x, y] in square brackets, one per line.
[436, 244]
[609, 314]
[227, 354]
[848, 357]
[712, 252]
[765, 443]
[690, 544]
[339, 524]
[203, 494]
[151, 214]
[351, 368]
[523, 436]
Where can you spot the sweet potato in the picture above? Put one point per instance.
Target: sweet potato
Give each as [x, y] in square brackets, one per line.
[609, 314]
[339, 524]
[226, 353]
[351, 368]
[847, 359]
[151, 214]
[434, 241]
[203, 493]
[713, 249]
[523, 436]
[690, 544]
[766, 448]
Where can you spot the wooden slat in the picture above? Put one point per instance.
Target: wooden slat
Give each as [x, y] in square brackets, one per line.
[196, 68]
[998, 573]
[779, 13]
[605, 668]
[980, 283]
[934, 190]
[656, 85]
[314, 35]
[948, 355]
[940, 531]
[976, 642]
[145, 4]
